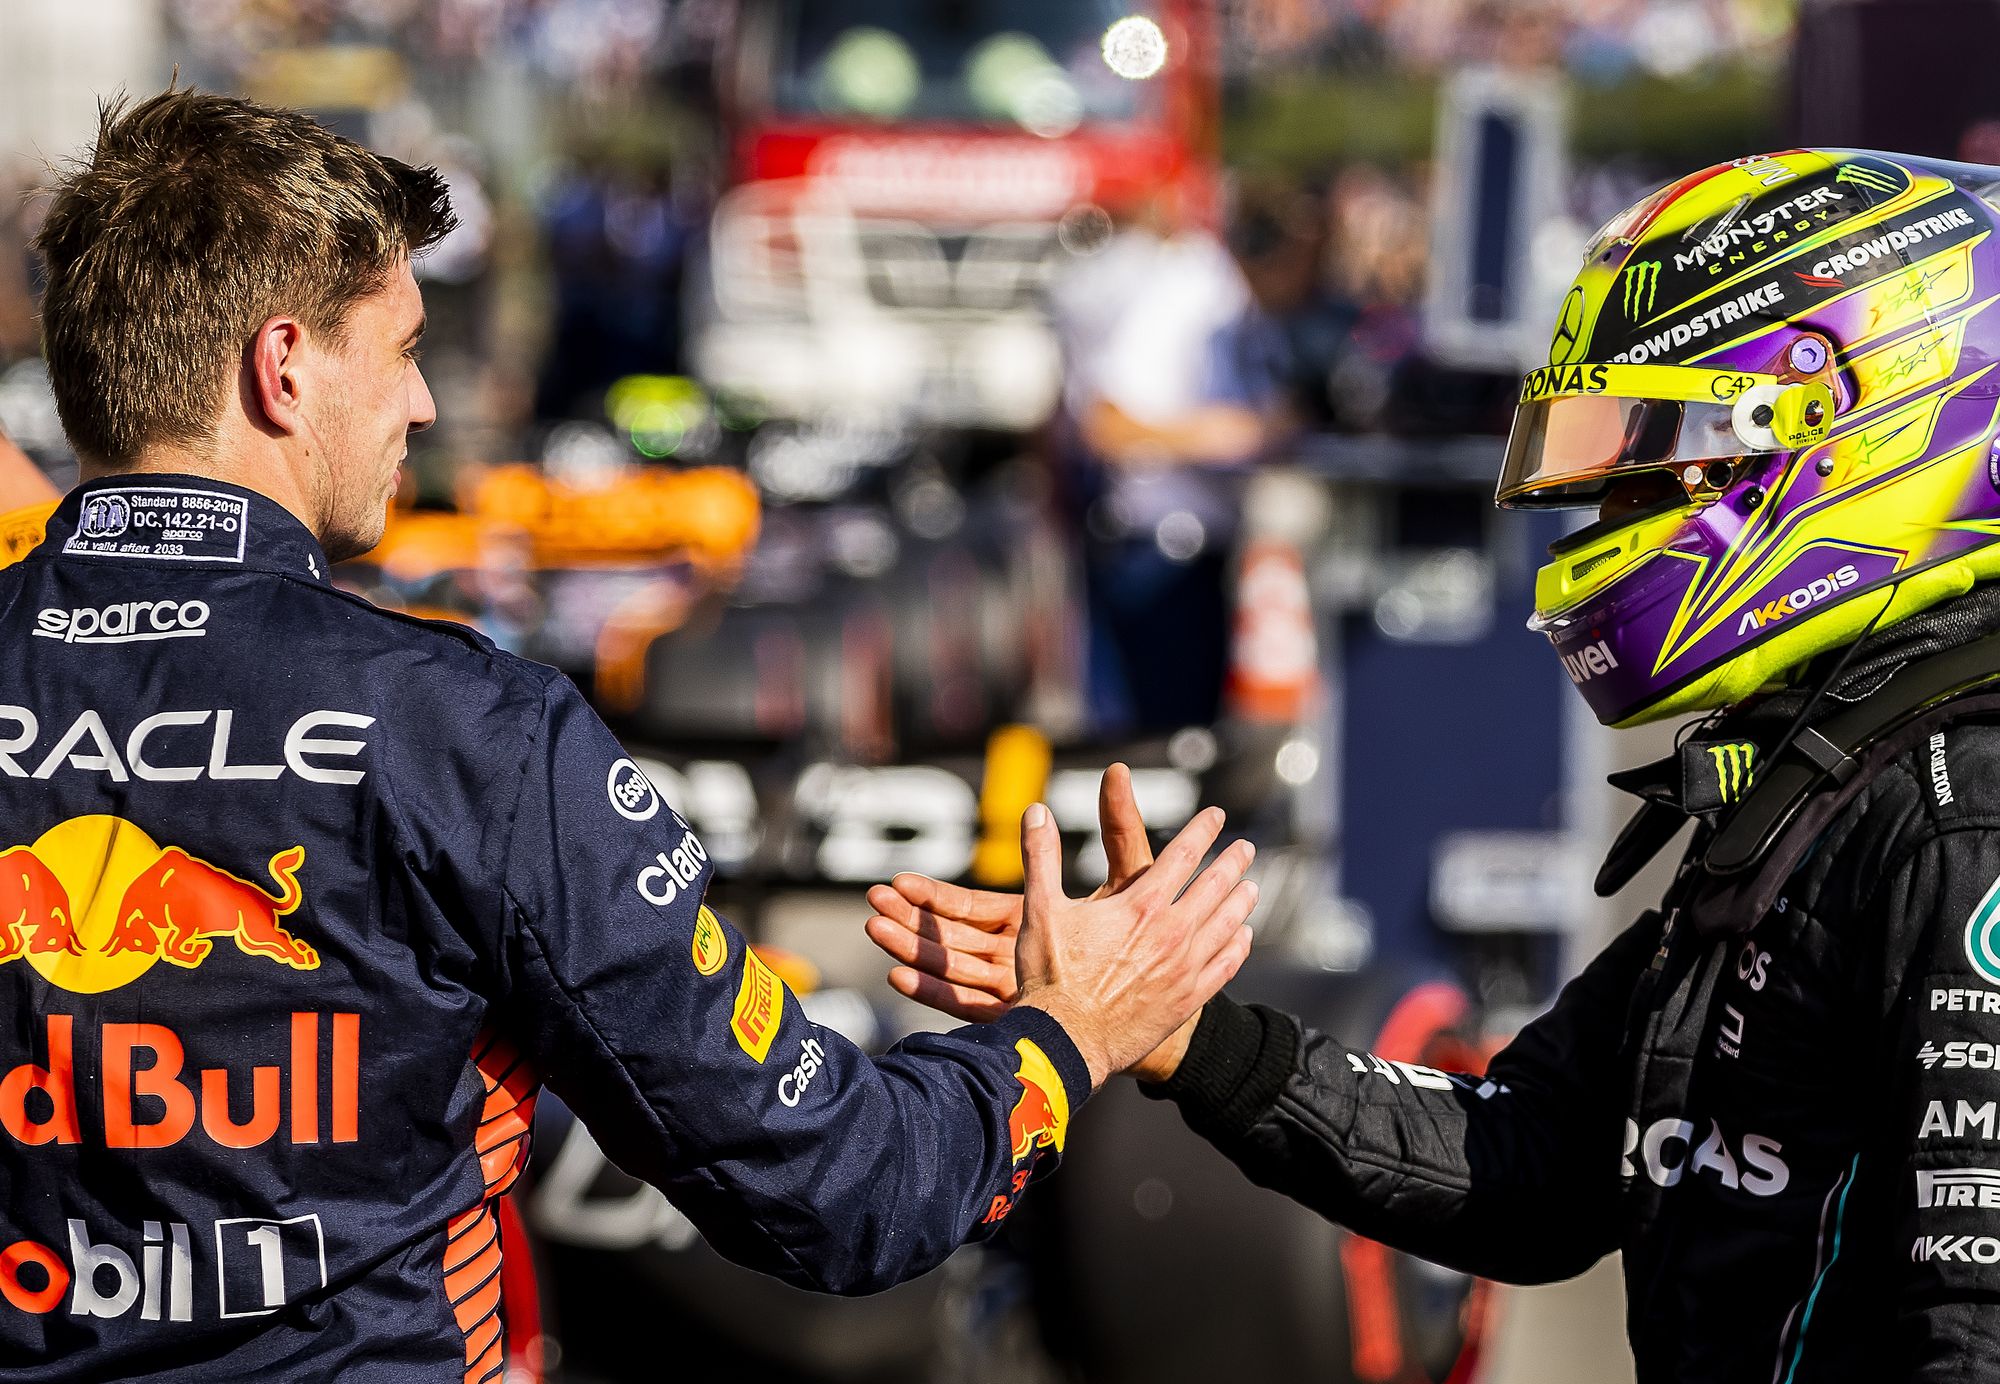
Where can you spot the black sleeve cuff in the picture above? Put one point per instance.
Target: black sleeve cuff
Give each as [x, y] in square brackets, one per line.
[1237, 1061]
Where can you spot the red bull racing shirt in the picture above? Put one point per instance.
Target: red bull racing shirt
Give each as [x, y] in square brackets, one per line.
[300, 900]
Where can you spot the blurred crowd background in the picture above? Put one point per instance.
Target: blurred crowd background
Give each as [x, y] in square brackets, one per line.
[581, 141]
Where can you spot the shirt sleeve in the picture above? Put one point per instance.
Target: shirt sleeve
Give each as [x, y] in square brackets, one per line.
[1944, 1089]
[1512, 1176]
[695, 1067]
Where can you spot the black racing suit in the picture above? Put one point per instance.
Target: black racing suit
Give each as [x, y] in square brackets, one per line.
[1816, 1196]
[300, 899]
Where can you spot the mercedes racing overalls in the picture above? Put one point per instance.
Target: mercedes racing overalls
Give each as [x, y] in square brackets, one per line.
[300, 899]
[1784, 1108]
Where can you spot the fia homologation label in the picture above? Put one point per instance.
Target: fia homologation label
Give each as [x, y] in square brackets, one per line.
[168, 523]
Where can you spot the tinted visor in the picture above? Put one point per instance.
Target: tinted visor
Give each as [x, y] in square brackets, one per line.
[1567, 451]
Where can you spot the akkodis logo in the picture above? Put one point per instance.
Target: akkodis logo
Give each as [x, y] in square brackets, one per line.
[95, 903]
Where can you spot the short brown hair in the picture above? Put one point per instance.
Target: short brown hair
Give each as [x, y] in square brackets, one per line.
[195, 219]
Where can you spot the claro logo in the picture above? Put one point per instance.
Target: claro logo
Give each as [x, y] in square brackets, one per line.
[127, 623]
[1792, 602]
[1668, 1150]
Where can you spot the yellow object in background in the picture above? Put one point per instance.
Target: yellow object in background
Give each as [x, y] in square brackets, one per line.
[1017, 774]
[21, 530]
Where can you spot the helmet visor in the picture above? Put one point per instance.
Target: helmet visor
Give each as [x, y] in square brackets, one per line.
[1567, 451]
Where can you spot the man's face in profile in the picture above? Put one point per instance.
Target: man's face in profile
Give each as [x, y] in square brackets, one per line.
[371, 397]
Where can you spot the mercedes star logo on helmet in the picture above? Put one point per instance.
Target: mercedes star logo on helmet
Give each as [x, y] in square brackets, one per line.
[1568, 342]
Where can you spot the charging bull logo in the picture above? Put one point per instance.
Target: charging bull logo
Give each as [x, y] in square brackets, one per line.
[95, 902]
[1038, 1121]
[1040, 1118]
[180, 904]
[34, 908]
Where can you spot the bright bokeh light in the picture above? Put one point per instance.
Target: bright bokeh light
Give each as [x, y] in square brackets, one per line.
[1134, 47]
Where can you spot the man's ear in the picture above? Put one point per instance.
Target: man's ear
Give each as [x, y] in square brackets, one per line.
[274, 375]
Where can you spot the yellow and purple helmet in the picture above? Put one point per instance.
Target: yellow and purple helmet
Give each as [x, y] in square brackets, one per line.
[1778, 379]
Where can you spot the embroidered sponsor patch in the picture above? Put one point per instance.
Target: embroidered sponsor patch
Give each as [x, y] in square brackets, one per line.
[164, 523]
[1716, 773]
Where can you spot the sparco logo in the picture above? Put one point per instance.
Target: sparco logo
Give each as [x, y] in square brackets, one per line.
[1792, 602]
[1955, 1249]
[1669, 1151]
[128, 623]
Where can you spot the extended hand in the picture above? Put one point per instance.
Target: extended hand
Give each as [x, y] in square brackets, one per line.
[957, 945]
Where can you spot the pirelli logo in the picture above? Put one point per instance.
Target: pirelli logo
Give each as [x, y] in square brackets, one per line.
[760, 1002]
[1973, 1188]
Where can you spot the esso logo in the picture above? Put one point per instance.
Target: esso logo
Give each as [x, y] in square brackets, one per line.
[631, 792]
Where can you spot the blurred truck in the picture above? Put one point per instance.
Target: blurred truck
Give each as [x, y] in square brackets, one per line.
[904, 179]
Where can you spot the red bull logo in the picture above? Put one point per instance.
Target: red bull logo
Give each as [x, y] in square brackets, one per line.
[142, 1092]
[95, 902]
[1038, 1121]
[1040, 1118]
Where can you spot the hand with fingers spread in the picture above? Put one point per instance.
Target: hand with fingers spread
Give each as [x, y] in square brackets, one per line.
[956, 945]
[965, 951]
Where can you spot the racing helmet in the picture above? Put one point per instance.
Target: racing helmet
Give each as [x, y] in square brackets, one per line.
[1776, 381]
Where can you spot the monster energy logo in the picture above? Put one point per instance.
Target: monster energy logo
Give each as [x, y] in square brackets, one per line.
[1735, 767]
[1982, 932]
[1872, 179]
[1642, 286]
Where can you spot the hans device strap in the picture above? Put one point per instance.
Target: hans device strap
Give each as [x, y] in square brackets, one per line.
[1754, 847]
[1834, 750]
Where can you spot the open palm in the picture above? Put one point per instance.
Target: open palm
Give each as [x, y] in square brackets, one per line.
[956, 946]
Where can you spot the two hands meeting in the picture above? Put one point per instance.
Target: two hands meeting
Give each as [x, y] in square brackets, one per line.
[1125, 970]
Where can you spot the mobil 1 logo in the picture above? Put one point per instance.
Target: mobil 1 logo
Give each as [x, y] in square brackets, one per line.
[262, 1264]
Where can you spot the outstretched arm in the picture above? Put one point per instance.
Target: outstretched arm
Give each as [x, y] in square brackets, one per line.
[793, 1151]
[1513, 1176]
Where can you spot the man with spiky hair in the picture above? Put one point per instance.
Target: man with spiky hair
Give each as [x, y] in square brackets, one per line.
[300, 899]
